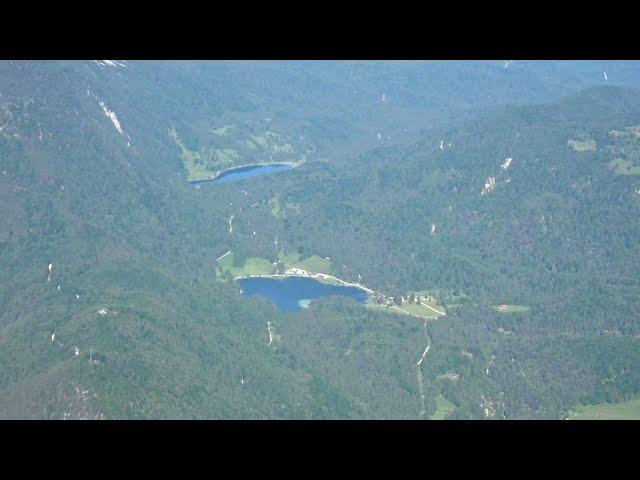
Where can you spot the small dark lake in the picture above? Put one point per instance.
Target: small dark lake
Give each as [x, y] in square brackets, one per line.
[240, 173]
[295, 293]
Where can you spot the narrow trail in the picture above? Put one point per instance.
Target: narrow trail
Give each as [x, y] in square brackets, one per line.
[424, 354]
[419, 377]
[402, 310]
[423, 409]
[431, 308]
[223, 255]
[304, 273]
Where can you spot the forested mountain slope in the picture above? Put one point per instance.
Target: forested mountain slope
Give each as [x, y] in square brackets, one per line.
[129, 321]
[533, 206]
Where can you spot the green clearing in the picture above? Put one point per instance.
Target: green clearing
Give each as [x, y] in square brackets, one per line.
[232, 148]
[284, 148]
[197, 171]
[624, 167]
[296, 207]
[314, 264]
[199, 166]
[252, 266]
[411, 309]
[271, 141]
[422, 311]
[290, 259]
[384, 308]
[222, 131]
[441, 296]
[258, 266]
[588, 145]
[226, 155]
[277, 209]
[511, 308]
[226, 262]
[618, 133]
[608, 411]
[260, 140]
[443, 408]
[274, 205]
[262, 266]
[635, 131]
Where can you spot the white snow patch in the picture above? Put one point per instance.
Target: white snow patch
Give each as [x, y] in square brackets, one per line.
[103, 311]
[441, 144]
[506, 163]
[270, 333]
[433, 228]
[110, 63]
[489, 185]
[112, 116]
[53, 336]
[605, 76]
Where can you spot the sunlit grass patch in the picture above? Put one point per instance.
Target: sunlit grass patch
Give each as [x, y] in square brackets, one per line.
[252, 266]
[314, 263]
[608, 411]
[588, 145]
[222, 131]
[624, 167]
[258, 266]
[443, 408]
[422, 311]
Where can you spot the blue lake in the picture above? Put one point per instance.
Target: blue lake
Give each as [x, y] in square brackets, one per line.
[240, 173]
[295, 293]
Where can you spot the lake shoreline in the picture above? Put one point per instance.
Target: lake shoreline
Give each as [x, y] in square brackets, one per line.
[322, 277]
[240, 168]
[295, 292]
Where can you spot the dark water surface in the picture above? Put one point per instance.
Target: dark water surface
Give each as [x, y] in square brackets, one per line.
[240, 173]
[294, 293]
